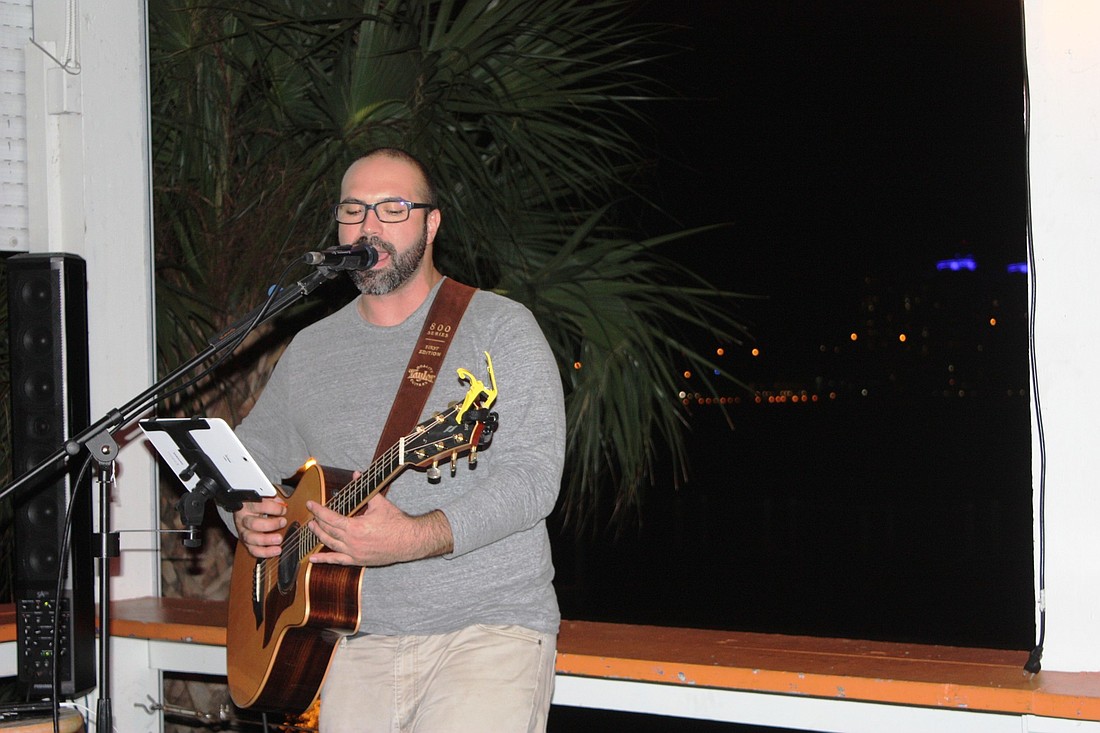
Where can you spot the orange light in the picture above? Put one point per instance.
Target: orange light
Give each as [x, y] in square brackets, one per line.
[721, 351]
[901, 337]
[576, 365]
[853, 336]
[687, 374]
[756, 352]
[992, 321]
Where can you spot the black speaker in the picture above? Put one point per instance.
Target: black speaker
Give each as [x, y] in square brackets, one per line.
[48, 322]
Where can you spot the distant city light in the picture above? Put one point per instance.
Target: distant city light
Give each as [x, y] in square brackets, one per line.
[923, 303]
[576, 365]
[957, 263]
[1020, 267]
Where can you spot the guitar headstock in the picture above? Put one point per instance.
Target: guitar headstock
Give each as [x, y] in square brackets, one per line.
[462, 428]
[441, 437]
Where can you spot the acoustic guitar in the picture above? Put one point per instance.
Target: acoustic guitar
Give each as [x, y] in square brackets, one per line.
[286, 615]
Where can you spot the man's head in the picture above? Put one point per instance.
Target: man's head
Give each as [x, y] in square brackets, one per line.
[394, 177]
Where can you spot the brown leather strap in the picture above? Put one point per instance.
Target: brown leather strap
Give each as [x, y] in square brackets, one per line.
[427, 358]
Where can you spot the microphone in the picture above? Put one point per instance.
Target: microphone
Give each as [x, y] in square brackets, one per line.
[344, 257]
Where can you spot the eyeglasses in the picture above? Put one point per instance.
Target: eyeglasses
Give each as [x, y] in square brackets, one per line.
[390, 211]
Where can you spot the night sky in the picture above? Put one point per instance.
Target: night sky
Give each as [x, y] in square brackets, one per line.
[843, 137]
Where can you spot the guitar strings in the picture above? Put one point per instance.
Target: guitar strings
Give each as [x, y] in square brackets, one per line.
[305, 541]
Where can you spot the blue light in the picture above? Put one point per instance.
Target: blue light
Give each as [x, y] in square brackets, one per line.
[957, 263]
[1020, 267]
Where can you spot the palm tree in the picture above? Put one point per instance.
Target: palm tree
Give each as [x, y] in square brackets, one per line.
[528, 111]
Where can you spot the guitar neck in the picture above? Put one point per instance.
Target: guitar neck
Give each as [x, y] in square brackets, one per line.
[443, 436]
[353, 497]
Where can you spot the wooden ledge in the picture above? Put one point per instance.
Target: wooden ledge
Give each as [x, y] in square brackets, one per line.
[906, 674]
[189, 620]
[843, 669]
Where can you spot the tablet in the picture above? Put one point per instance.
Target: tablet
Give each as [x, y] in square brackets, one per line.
[178, 439]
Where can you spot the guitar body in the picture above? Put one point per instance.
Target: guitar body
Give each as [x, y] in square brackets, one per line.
[286, 614]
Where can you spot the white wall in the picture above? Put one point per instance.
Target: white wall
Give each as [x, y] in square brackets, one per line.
[88, 193]
[1063, 49]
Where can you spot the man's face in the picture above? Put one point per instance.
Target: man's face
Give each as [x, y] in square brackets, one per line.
[402, 247]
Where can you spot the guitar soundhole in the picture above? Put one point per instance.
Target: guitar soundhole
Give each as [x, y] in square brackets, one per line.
[288, 561]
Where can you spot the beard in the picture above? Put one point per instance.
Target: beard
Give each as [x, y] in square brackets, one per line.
[399, 270]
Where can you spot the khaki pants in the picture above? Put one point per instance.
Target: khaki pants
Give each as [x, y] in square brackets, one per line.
[480, 679]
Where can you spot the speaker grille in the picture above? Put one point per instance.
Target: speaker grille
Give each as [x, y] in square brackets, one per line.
[48, 321]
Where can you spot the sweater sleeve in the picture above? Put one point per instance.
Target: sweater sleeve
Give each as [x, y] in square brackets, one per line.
[268, 432]
[528, 449]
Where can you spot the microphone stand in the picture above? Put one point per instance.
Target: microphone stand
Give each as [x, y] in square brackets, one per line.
[100, 444]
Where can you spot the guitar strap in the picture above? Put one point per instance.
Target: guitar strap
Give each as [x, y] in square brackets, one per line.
[427, 358]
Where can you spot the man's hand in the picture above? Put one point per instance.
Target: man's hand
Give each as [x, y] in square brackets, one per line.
[381, 534]
[258, 524]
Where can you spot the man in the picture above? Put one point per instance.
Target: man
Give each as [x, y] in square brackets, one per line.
[459, 616]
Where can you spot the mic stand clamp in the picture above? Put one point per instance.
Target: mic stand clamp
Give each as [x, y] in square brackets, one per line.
[192, 506]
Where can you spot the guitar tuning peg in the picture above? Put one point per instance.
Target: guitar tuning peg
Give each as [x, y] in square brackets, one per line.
[454, 464]
[434, 475]
[473, 457]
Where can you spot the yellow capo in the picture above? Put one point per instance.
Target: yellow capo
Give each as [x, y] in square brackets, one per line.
[477, 389]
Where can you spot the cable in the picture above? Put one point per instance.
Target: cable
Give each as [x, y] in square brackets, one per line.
[1034, 660]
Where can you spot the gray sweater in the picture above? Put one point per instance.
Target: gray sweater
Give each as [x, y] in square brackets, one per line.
[328, 398]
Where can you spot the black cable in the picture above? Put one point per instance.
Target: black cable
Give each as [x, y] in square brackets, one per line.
[1034, 660]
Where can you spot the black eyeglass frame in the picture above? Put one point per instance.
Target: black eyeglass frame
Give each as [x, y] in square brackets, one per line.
[367, 208]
